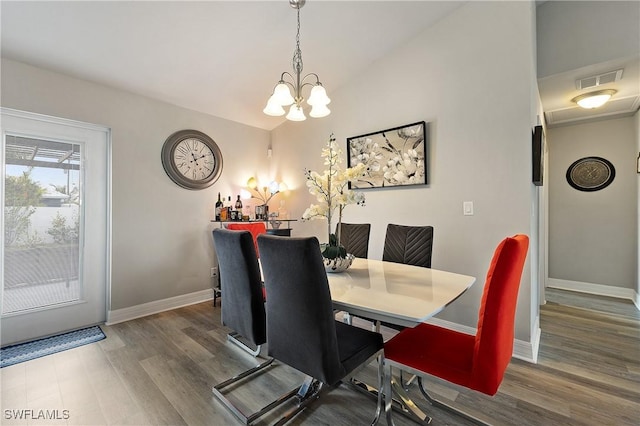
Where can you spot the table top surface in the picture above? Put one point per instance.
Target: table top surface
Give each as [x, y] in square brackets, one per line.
[394, 292]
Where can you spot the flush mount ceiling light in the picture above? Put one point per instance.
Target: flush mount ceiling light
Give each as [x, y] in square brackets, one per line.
[290, 92]
[594, 99]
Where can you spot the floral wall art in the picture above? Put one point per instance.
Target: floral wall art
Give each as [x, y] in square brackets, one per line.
[393, 157]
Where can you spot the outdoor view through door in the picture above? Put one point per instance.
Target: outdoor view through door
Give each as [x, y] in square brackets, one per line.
[42, 229]
[54, 256]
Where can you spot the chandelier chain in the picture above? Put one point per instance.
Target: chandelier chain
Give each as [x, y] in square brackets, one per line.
[297, 54]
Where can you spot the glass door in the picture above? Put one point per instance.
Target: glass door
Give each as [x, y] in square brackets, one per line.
[55, 223]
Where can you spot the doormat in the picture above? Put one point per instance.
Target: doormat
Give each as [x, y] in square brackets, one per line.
[15, 354]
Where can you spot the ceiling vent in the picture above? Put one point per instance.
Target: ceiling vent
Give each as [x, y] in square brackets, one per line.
[598, 80]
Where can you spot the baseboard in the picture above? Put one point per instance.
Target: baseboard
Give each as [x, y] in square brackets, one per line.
[525, 351]
[150, 308]
[528, 351]
[597, 289]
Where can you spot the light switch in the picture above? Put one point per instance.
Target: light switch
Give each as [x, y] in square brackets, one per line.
[467, 208]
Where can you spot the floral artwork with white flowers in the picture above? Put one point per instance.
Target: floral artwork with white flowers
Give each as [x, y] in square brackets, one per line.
[394, 157]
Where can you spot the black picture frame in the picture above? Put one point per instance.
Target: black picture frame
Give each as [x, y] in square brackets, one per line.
[394, 157]
[537, 156]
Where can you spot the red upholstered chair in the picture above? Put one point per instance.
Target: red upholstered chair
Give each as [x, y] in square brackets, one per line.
[256, 228]
[476, 362]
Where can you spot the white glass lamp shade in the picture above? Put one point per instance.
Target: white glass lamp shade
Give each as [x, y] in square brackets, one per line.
[273, 108]
[318, 96]
[594, 99]
[296, 113]
[274, 187]
[283, 187]
[282, 95]
[319, 111]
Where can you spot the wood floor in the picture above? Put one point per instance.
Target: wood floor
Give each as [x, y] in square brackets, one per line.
[159, 370]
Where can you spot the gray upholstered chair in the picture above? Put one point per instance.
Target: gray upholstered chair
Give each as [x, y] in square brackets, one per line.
[410, 245]
[242, 299]
[355, 238]
[302, 330]
[242, 307]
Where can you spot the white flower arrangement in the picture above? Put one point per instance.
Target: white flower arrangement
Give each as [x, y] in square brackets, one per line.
[331, 189]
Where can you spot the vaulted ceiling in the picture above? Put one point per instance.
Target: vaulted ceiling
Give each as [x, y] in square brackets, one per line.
[218, 57]
[224, 57]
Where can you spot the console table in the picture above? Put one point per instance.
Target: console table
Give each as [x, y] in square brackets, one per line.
[279, 230]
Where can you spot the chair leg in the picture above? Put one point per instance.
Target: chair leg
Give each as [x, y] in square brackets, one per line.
[308, 392]
[244, 418]
[390, 388]
[381, 381]
[233, 337]
[216, 294]
[448, 407]
[408, 383]
[388, 394]
[408, 404]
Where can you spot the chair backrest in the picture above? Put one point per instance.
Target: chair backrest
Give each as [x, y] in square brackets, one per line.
[300, 320]
[256, 228]
[242, 301]
[494, 338]
[355, 238]
[410, 245]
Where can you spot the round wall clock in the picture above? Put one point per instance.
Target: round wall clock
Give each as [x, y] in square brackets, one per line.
[191, 159]
[590, 174]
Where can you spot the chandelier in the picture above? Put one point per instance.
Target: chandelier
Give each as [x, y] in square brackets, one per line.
[290, 92]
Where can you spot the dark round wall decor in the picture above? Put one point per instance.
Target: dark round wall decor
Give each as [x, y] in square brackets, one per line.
[191, 159]
[590, 174]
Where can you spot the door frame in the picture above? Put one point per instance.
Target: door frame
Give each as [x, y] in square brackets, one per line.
[46, 119]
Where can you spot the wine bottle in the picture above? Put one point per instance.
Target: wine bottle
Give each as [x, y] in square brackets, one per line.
[238, 208]
[224, 212]
[218, 208]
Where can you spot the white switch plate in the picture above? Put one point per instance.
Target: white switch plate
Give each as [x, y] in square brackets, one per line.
[467, 208]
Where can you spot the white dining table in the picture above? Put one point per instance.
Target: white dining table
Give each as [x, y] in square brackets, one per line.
[394, 292]
[399, 294]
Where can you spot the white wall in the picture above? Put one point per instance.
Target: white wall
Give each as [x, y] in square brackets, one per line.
[637, 137]
[470, 78]
[593, 234]
[161, 233]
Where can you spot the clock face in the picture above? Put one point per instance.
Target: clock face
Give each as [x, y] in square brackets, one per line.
[590, 174]
[191, 159]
